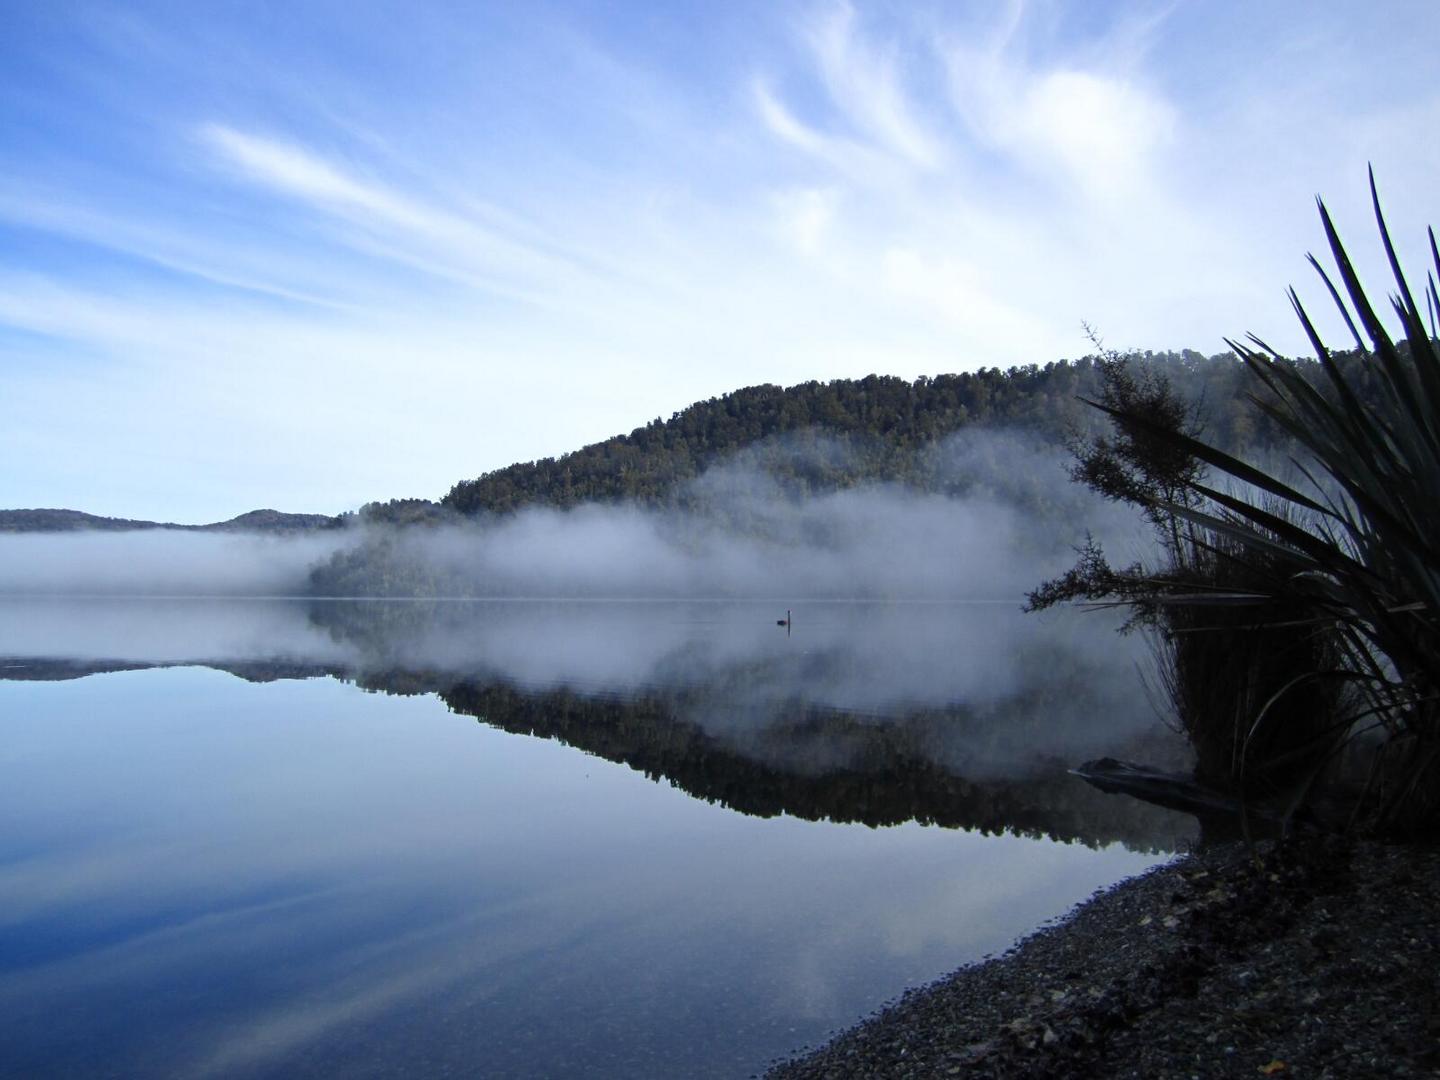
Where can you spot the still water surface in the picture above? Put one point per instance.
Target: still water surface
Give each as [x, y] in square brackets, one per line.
[288, 838]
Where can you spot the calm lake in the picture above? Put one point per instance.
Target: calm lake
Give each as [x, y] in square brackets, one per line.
[290, 838]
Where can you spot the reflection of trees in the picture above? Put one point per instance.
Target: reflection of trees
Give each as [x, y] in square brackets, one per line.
[744, 732]
[779, 755]
[29, 669]
[60, 669]
[869, 771]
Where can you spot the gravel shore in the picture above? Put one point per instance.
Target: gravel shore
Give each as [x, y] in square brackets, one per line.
[1313, 958]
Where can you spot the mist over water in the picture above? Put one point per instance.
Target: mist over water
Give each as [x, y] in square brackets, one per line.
[904, 601]
[163, 562]
[995, 514]
[872, 542]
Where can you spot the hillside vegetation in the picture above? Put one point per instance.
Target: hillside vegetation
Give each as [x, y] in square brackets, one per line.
[884, 423]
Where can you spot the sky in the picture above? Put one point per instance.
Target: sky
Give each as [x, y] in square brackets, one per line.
[304, 255]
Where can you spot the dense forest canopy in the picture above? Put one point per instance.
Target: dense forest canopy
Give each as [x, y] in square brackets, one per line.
[884, 422]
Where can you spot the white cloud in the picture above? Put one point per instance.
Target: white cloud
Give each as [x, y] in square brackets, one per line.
[293, 170]
[852, 158]
[1102, 132]
[865, 78]
[393, 226]
[806, 217]
[954, 290]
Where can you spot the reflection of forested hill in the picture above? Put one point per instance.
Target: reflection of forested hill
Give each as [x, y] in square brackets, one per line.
[809, 762]
[28, 669]
[823, 765]
[31, 669]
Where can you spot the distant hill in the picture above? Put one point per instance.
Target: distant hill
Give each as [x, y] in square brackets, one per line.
[57, 521]
[273, 521]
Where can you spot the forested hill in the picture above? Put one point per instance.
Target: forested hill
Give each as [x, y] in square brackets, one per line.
[881, 420]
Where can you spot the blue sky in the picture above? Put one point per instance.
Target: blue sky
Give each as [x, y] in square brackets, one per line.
[304, 255]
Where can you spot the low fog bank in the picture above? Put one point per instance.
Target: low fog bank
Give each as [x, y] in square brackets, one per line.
[164, 562]
[983, 515]
[988, 516]
[874, 542]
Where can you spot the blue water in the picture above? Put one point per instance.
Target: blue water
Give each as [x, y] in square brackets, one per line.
[204, 876]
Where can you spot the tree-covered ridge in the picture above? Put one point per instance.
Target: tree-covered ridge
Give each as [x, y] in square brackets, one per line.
[884, 422]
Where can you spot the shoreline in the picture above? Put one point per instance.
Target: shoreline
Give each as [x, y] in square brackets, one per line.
[1319, 957]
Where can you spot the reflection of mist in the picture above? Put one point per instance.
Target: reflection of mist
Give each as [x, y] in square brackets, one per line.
[858, 657]
[155, 631]
[983, 688]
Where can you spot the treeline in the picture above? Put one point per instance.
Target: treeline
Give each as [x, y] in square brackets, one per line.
[883, 423]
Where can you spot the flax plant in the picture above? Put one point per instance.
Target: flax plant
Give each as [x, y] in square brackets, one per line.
[1361, 546]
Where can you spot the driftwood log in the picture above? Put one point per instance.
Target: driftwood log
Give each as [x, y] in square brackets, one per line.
[1175, 791]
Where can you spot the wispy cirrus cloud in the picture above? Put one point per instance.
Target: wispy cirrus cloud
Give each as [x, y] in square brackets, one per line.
[866, 78]
[391, 224]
